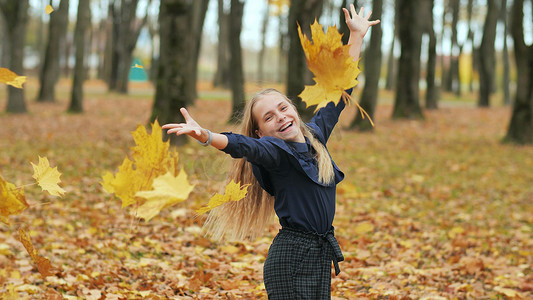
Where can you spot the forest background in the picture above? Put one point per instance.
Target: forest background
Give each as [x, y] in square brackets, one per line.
[437, 200]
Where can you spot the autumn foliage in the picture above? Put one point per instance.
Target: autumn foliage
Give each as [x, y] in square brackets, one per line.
[435, 209]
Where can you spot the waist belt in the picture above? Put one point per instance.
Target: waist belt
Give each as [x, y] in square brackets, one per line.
[329, 237]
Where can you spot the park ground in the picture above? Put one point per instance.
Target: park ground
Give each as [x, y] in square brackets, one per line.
[437, 208]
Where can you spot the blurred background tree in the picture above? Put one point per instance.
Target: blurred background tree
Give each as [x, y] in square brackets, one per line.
[448, 50]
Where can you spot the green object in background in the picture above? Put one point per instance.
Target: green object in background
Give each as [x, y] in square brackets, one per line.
[136, 73]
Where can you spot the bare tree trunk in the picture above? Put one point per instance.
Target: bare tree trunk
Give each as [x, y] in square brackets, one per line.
[154, 57]
[406, 104]
[3, 46]
[432, 91]
[262, 51]
[455, 50]
[302, 12]
[487, 55]
[369, 98]
[505, 55]
[15, 14]
[282, 57]
[237, 74]
[196, 25]
[41, 34]
[173, 74]
[222, 74]
[520, 129]
[129, 28]
[50, 68]
[343, 28]
[391, 61]
[470, 37]
[109, 69]
[80, 37]
[445, 66]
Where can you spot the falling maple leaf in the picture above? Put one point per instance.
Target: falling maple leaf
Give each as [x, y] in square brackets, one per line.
[48, 9]
[167, 191]
[11, 78]
[234, 192]
[47, 178]
[151, 158]
[138, 66]
[12, 200]
[43, 263]
[334, 68]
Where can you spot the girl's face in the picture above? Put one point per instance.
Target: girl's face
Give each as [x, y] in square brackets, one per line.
[276, 117]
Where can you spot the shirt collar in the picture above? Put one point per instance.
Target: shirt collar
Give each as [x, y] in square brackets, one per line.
[301, 147]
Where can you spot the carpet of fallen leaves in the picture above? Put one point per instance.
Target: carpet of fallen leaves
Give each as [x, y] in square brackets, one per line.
[434, 209]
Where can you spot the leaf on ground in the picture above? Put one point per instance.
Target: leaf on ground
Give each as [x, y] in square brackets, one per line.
[47, 178]
[12, 200]
[11, 78]
[48, 9]
[43, 263]
[167, 191]
[234, 192]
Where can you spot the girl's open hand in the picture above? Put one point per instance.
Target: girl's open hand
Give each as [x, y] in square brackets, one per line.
[190, 128]
[358, 22]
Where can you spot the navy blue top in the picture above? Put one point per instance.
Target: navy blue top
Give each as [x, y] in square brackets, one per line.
[288, 171]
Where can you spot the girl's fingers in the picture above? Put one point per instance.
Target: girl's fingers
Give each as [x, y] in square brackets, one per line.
[186, 114]
[346, 14]
[170, 125]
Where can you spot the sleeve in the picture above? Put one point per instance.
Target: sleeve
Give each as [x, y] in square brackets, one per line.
[327, 117]
[258, 151]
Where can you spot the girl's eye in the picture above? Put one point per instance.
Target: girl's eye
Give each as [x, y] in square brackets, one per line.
[268, 118]
[284, 108]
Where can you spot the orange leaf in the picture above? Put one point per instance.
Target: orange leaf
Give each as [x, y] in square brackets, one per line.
[43, 263]
[9, 77]
[12, 200]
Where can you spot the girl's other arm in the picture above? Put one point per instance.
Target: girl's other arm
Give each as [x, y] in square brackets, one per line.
[358, 25]
[194, 130]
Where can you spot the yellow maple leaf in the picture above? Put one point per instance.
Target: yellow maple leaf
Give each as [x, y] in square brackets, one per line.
[167, 191]
[48, 9]
[151, 158]
[11, 78]
[12, 200]
[233, 192]
[47, 178]
[43, 263]
[124, 184]
[138, 66]
[332, 65]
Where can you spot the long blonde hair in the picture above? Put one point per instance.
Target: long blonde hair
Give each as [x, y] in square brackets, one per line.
[249, 217]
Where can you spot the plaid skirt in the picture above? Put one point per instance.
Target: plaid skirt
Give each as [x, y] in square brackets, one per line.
[298, 265]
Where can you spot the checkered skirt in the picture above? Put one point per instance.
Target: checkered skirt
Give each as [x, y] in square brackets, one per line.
[298, 265]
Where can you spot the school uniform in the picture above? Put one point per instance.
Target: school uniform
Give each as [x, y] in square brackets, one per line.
[298, 264]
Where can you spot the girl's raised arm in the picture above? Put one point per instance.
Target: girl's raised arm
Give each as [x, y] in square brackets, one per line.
[358, 25]
[194, 130]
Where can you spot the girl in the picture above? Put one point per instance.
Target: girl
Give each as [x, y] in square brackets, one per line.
[290, 172]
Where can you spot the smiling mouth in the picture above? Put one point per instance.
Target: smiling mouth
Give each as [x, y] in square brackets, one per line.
[285, 127]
